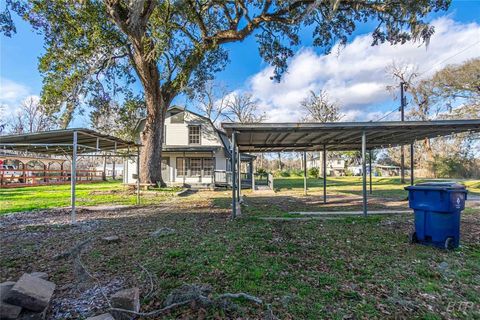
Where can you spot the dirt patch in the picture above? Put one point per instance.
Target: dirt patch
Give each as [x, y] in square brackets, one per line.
[326, 269]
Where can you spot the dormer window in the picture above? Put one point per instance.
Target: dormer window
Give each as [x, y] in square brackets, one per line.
[194, 134]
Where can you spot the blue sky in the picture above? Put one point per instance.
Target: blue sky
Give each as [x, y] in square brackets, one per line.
[355, 76]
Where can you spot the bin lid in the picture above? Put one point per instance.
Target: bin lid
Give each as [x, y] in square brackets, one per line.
[437, 186]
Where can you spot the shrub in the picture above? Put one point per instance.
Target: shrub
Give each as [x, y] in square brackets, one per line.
[262, 172]
[314, 172]
[285, 173]
[450, 167]
[296, 172]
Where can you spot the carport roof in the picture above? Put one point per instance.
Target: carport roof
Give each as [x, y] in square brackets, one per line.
[340, 136]
[61, 142]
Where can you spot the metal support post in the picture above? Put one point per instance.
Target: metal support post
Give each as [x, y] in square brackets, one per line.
[370, 168]
[73, 176]
[239, 175]
[412, 165]
[324, 174]
[402, 150]
[138, 176]
[364, 172]
[252, 173]
[305, 173]
[233, 164]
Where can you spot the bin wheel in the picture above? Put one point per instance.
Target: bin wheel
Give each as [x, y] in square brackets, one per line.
[449, 243]
[412, 237]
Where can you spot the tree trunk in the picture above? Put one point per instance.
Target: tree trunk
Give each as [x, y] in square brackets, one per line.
[152, 141]
[157, 102]
[104, 173]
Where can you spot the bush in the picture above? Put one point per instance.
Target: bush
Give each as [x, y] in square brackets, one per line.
[296, 172]
[450, 167]
[262, 172]
[285, 173]
[314, 172]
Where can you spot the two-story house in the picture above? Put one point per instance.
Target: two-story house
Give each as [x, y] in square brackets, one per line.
[335, 166]
[194, 152]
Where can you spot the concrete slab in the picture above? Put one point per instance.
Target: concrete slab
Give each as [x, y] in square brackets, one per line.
[350, 213]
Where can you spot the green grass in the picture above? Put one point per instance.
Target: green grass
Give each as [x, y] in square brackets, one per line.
[57, 196]
[334, 269]
[382, 187]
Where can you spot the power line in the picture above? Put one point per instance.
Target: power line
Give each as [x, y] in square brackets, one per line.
[386, 115]
[452, 56]
[429, 69]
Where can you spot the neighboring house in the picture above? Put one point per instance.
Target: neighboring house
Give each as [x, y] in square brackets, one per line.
[378, 170]
[194, 151]
[335, 167]
[109, 170]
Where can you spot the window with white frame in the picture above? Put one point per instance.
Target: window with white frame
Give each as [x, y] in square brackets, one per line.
[195, 167]
[181, 166]
[194, 134]
[207, 167]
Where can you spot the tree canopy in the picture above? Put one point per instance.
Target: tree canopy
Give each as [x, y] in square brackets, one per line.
[100, 47]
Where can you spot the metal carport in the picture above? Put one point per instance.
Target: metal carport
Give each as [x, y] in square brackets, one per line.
[339, 136]
[71, 143]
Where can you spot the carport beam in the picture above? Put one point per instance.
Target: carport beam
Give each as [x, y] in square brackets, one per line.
[73, 175]
[305, 173]
[364, 172]
[324, 164]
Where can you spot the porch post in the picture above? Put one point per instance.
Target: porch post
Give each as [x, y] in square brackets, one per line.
[113, 163]
[73, 176]
[214, 166]
[412, 165]
[184, 168]
[304, 172]
[233, 164]
[324, 173]
[364, 172]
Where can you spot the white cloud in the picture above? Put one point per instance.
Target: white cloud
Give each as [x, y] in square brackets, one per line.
[11, 95]
[355, 76]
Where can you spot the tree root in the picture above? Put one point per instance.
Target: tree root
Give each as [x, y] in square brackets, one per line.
[245, 296]
[201, 299]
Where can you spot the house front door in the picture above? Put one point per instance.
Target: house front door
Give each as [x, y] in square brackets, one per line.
[165, 169]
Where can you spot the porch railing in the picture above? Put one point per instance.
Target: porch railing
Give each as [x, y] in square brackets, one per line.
[224, 178]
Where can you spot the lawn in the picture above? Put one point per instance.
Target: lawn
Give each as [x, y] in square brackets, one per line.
[382, 187]
[341, 268]
[58, 196]
[344, 268]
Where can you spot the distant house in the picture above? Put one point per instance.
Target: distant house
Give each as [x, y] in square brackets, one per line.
[335, 167]
[109, 170]
[194, 152]
[378, 170]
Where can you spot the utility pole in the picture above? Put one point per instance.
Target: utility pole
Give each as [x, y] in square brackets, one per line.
[402, 150]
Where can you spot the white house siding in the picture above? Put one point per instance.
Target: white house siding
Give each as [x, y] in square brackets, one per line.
[176, 134]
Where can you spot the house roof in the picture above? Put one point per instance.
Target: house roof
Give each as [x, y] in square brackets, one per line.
[200, 148]
[275, 137]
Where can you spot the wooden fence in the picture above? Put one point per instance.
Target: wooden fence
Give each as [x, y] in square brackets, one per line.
[35, 177]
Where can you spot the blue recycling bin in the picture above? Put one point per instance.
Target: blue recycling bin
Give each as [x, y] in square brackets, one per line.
[437, 208]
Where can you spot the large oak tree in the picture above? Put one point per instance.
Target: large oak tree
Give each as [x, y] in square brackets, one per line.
[95, 47]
